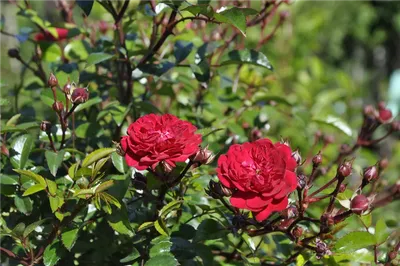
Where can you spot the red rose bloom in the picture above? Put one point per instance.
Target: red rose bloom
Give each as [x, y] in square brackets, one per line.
[46, 36]
[155, 138]
[261, 174]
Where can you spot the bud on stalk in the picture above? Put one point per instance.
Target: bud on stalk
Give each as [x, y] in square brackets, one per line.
[79, 95]
[290, 212]
[345, 169]
[45, 126]
[217, 190]
[371, 173]
[296, 156]
[58, 106]
[317, 159]
[359, 204]
[203, 156]
[52, 82]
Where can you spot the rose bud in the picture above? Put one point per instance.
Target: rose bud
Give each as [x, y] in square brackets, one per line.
[345, 169]
[203, 156]
[58, 106]
[317, 159]
[256, 134]
[297, 231]
[296, 156]
[79, 95]
[13, 53]
[67, 88]
[392, 255]
[52, 82]
[321, 249]
[384, 113]
[369, 110]
[383, 164]
[45, 126]
[371, 173]
[284, 15]
[329, 139]
[359, 204]
[342, 188]
[290, 212]
[62, 34]
[167, 168]
[301, 181]
[396, 126]
[217, 190]
[103, 27]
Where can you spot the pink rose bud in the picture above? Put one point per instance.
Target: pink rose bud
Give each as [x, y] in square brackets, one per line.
[256, 134]
[45, 126]
[203, 156]
[369, 110]
[79, 95]
[345, 169]
[297, 157]
[371, 173]
[342, 188]
[317, 159]
[384, 113]
[67, 88]
[58, 106]
[359, 204]
[328, 139]
[321, 249]
[52, 82]
[383, 164]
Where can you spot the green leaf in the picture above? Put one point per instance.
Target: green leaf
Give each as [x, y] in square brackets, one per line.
[233, 16]
[52, 187]
[23, 127]
[8, 179]
[85, 5]
[173, 205]
[51, 52]
[119, 162]
[161, 244]
[33, 189]
[18, 230]
[160, 226]
[247, 56]
[13, 120]
[95, 58]
[205, 10]
[118, 220]
[52, 253]
[366, 219]
[157, 69]
[300, 260]
[30, 228]
[335, 122]
[55, 203]
[205, 132]
[201, 71]
[23, 205]
[260, 97]
[105, 185]
[354, 241]
[164, 260]
[35, 177]
[209, 229]
[77, 50]
[381, 233]
[132, 256]
[54, 160]
[145, 225]
[23, 146]
[181, 50]
[69, 238]
[97, 155]
[88, 104]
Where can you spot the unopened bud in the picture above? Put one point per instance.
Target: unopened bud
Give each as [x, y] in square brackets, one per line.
[58, 106]
[67, 88]
[321, 249]
[256, 134]
[52, 82]
[345, 169]
[359, 204]
[297, 231]
[396, 126]
[317, 159]
[328, 139]
[13, 53]
[297, 157]
[79, 95]
[217, 190]
[290, 212]
[203, 156]
[342, 188]
[45, 126]
[384, 113]
[371, 173]
[392, 255]
[167, 168]
[301, 181]
[369, 110]
[284, 14]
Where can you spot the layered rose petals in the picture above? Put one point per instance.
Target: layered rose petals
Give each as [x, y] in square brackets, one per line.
[155, 138]
[261, 174]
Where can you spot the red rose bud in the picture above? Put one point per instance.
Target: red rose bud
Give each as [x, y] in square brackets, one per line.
[261, 176]
[58, 106]
[371, 173]
[62, 34]
[359, 204]
[103, 27]
[345, 169]
[67, 88]
[301, 181]
[203, 156]
[342, 188]
[45, 126]
[290, 212]
[297, 231]
[13, 53]
[317, 159]
[52, 82]
[79, 95]
[155, 138]
[217, 190]
[167, 168]
[256, 134]
[296, 156]
[392, 255]
[369, 110]
[384, 113]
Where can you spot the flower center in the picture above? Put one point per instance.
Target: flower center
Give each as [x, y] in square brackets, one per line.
[164, 135]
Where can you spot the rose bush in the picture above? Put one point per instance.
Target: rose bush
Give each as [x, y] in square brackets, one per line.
[155, 138]
[262, 175]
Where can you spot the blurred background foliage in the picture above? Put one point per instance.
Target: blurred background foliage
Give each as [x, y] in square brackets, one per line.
[330, 58]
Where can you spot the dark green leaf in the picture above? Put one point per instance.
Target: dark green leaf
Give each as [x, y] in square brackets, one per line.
[209, 229]
[18, 230]
[265, 98]
[30, 228]
[233, 16]
[23, 146]
[132, 256]
[354, 241]
[157, 69]
[173, 205]
[381, 233]
[8, 180]
[118, 220]
[161, 244]
[119, 162]
[335, 122]
[201, 71]
[95, 58]
[54, 160]
[85, 5]
[205, 10]
[97, 155]
[164, 260]
[181, 50]
[52, 253]
[23, 204]
[247, 56]
[69, 238]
